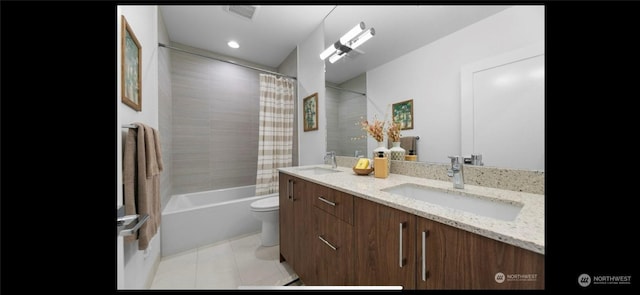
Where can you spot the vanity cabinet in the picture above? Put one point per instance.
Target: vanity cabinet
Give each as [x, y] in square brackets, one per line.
[285, 217]
[316, 231]
[451, 258]
[333, 238]
[295, 223]
[385, 246]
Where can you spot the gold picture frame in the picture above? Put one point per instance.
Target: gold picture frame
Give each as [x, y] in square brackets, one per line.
[310, 112]
[131, 82]
[402, 113]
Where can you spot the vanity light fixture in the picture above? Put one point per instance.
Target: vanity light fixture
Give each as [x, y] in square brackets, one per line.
[349, 41]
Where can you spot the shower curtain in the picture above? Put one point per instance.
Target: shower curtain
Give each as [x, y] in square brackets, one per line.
[275, 142]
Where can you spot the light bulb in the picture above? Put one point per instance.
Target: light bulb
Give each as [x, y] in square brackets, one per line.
[352, 33]
[336, 57]
[363, 38]
[330, 50]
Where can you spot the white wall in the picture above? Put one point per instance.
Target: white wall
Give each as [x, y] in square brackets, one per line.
[431, 77]
[310, 80]
[139, 266]
[289, 67]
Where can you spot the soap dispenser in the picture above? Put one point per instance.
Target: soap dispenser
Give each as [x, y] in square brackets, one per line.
[380, 164]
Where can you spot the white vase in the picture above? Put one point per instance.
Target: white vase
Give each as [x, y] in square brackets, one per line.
[387, 153]
[397, 152]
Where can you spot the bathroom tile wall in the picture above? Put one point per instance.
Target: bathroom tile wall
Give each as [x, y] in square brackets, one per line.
[165, 118]
[215, 123]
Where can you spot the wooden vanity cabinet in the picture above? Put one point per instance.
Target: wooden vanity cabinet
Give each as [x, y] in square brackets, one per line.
[458, 259]
[384, 245]
[316, 232]
[285, 217]
[296, 226]
[333, 238]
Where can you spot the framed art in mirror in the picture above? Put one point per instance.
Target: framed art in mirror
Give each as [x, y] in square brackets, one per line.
[131, 73]
[310, 112]
[403, 114]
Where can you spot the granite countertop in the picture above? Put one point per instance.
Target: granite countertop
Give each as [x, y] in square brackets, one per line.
[526, 231]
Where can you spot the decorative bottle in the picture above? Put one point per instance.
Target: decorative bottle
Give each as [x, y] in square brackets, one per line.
[397, 152]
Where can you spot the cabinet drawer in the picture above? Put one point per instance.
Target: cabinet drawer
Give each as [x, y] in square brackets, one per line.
[333, 249]
[334, 202]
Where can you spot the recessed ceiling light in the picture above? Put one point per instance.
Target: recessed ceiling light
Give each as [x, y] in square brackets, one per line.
[233, 44]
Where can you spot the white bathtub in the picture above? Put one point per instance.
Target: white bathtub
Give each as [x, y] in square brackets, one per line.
[197, 219]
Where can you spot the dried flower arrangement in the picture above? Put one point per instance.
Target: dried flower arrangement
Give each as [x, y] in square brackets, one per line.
[376, 129]
[394, 132]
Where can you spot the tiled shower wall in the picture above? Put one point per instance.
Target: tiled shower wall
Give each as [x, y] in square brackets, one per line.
[215, 124]
[165, 122]
[344, 110]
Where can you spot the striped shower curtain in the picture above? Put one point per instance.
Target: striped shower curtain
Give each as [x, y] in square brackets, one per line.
[275, 143]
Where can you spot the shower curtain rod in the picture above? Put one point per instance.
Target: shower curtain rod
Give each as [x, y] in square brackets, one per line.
[348, 90]
[228, 61]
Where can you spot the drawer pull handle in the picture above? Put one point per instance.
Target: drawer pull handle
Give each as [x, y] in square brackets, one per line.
[327, 201]
[328, 244]
[424, 255]
[400, 258]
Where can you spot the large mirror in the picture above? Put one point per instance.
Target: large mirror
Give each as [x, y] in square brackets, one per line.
[419, 53]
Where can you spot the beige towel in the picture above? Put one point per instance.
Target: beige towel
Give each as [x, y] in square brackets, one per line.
[142, 166]
[409, 143]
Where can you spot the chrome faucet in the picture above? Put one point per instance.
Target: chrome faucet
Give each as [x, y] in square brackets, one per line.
[456, 171]
[332, 157]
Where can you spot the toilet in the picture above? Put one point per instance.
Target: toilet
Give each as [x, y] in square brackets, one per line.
[266, 210]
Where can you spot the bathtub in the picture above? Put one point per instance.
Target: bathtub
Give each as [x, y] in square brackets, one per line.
[197, 219]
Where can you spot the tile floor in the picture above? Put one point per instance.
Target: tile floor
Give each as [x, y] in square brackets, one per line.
[230, 264]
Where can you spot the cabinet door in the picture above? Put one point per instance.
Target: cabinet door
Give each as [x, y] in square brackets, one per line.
[333, 250]
[384, 245]
[458, 259]
[285, 211]
[303, 231]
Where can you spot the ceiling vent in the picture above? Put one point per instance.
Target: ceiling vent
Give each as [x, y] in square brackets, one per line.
[244, 11]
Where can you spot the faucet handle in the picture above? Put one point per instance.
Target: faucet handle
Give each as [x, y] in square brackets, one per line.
[454, 159]
[476, 159]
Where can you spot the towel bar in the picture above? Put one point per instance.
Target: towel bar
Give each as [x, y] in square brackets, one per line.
[128, 225]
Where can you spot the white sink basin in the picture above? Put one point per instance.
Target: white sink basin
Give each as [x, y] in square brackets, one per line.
[485, 207]
[318, 170]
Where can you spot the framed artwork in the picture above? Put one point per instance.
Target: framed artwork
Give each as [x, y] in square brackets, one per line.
[310, 112]
[131, 82]
[403, 114]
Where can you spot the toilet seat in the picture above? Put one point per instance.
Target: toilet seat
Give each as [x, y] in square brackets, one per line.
[266, 204]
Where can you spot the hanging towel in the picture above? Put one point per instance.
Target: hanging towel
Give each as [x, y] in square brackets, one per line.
[142, 166]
